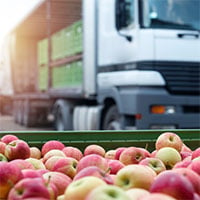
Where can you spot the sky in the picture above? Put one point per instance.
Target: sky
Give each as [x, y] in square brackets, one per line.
[12, 12]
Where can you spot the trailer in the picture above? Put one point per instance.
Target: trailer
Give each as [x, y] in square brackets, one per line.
[99, 64]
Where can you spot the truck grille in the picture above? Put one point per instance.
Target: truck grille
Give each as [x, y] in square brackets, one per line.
[180, 77]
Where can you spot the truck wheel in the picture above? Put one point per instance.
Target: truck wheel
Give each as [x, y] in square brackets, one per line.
[63, 116]
[112, 119]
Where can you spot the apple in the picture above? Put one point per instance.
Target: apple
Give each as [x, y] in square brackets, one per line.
[131, 155]
[31, 173]
[174, 184]
[3, 158]
[35, 152]
[60, 197]
[157, 196]
[73, 152]
[195, 165]
[29, 188]
[37, 164]
[169, 156]
[119, 151]
[60, 180]
[145, 151]
[94, 171]
[22, 164]
[196, 196]
[169, 139]
[184, 163]
[185, 154]
[107, 192]
[192, 176]
[115, 166]
[94, 149]
[53, 152]
[17, 149]
[185, 148]
[135, 176]
[92, 160]
[155, 163]
[51, 144]
[136, 193]
[110, 154]
[79, 189]
[9, 138]
[51, 161]
[196, 153]
[2, 147]
[9, 175]
[66, 165]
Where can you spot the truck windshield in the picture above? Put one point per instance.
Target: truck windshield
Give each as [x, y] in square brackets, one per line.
[171, 14]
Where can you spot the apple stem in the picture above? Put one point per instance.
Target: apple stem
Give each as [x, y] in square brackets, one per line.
[146, 146]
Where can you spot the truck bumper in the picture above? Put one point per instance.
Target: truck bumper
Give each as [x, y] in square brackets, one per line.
[138, 101]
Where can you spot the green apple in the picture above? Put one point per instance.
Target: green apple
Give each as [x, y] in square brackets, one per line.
[135, 176]
[107, 192]
[79, 189]
[169, 156]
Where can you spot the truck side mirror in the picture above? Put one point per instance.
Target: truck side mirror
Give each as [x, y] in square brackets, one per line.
[124, 16]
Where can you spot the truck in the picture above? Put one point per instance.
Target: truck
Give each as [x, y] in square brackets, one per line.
[107, 65]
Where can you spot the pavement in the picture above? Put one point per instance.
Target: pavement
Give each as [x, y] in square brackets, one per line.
[7, 123]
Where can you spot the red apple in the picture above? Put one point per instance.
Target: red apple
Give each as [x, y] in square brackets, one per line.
[79, 189]
[9, 175]
[22, 164]
[66, 165]
[185, 154]
[136, 193]
[73, 152]
[17, 149]
[31, 173]
[135, 176]
[107, 192]
[185, 148]
[29, 188]
[52, 144]
[92, 160]
[157, 196]
[51, 161]
[195, 165]
[169, 139]
[169, 156]
[196, 153]
[35, 152]
[184, 163]
[9, 138]
[174, 184]
[119, 151]
[131, 155]
[2, 147]
[60, 180]
[192, 176]
[94, 149]
[115, 166]
[94, 171]
[154, 163]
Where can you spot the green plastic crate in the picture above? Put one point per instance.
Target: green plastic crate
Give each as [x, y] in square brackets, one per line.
[108, 139]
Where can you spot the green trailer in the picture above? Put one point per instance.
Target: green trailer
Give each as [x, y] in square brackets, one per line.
[107, 139]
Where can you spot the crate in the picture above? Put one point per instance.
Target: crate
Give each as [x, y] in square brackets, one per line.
[107, 139]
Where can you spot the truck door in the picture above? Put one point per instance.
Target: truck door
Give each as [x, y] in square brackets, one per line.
[117, 31]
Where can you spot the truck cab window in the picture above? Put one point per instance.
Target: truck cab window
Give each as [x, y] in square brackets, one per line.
[124, 14]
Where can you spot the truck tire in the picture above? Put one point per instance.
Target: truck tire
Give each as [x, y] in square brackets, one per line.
[63, 116]
[112, 119]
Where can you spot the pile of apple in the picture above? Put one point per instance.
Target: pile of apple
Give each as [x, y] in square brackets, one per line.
[59, 172]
